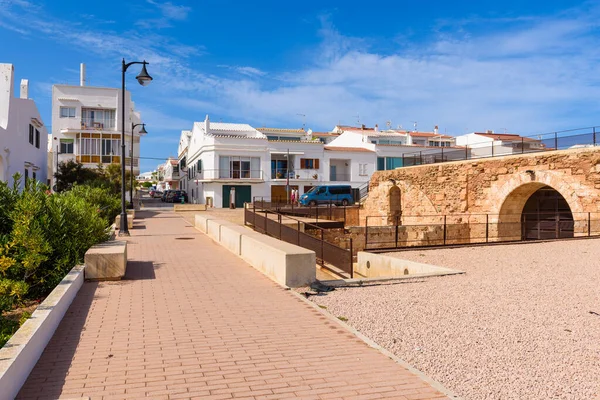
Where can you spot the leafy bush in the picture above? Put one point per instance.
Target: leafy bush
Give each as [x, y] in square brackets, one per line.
[147, 184]
[43, 235]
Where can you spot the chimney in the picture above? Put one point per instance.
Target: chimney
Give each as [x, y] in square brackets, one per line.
[363, 127]
[24, 88]
[489, 131]
[376, 128]
[6, 92]
[207, 124]
[435, 130]
[82, 74]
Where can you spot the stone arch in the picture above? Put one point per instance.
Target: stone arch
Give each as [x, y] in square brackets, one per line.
[513, 196]
[394, 204]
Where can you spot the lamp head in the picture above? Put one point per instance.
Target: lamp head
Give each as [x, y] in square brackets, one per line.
[143, 130]
[144, 78]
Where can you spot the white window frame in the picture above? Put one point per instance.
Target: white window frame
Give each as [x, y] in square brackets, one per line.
[69, 112]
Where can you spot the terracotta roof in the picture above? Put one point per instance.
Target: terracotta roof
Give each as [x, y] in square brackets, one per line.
[359, 149]
[325, 134]
[429, 134]
[505, 136]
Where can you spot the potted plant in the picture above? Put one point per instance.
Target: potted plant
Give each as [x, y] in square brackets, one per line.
[315, 176]
[279, 175]
[297, 176]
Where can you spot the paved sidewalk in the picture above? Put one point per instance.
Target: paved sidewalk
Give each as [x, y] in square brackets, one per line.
[194, 321]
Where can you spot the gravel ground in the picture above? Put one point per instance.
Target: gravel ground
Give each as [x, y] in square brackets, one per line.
[522, 323]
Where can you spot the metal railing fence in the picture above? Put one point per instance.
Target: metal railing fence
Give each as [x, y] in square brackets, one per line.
[462, 229]
[294, 231]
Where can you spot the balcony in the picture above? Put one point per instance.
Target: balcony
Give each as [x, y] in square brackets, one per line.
[102, 124]
[299, 174]
[227, 175]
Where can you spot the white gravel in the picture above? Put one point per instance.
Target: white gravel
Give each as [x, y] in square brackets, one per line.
[520, 324]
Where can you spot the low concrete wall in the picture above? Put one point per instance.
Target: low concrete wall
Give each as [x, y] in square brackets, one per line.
[118, 222]
[189, 207]
[20, 354]
[378, 265]
[201, 222]
[287, 264]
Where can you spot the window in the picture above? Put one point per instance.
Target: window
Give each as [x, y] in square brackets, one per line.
[362, 169]
[110, 148]
[33, 175]
[37, 138]
[380, 164]
[98, 118]
[237, 167]
[309, 163]
[31, 130]
[393, 162]
[88, 147]
[199, 165]
[66, 146]
[26, 175]
[67, 112]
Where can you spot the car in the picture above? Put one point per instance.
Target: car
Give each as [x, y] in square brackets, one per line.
[155, 194]
[151, 192]
[176, 195]
[165, 195]
[326, 194]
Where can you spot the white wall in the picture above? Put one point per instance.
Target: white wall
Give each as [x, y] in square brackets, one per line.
[16, 114]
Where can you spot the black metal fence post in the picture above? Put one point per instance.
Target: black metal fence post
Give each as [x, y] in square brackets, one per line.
[444, 229]
[555, 141]
[487, 227]
[594, 137]
[298, 238]
[366, 232]
[279, 220]
[442, 154]
[466, 152]
[396, 232]
[522, 145]
[589, 224]
[351, 260]
[265, 221]
[322, 250]
[420, 158]
[254, 216]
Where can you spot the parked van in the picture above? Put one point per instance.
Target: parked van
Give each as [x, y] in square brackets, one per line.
[336, 194]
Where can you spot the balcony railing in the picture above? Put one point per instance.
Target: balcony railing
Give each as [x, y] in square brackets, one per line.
[102, 124]
[338, 177]
[300, 174]
[216, 174]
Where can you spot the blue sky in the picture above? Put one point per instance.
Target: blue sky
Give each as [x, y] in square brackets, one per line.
[523, 67]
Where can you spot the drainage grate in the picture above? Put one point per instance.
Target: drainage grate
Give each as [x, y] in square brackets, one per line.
[184, 238]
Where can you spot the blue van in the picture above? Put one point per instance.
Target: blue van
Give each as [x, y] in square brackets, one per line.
[336, 194]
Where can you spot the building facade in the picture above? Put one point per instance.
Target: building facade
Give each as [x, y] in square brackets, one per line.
[23, 135]
[86, 126]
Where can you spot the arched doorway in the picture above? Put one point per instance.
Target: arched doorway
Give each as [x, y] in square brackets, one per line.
[546, 215]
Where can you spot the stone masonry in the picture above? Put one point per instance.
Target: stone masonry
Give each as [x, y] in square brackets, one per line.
[498, 187]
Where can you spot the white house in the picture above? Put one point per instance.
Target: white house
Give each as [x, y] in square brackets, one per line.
[491, 144]
[86, 125]
[23, 136]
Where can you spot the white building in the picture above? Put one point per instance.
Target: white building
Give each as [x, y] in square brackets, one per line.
[268, 162]
[23, 136]
[86, 125]
[491, 144]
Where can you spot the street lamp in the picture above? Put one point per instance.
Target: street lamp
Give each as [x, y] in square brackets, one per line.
[142, 132]
[144, 79]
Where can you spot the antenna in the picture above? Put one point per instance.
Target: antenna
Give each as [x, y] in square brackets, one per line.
[415, 125]
[303, 120]
[388, 124]
[357, 119]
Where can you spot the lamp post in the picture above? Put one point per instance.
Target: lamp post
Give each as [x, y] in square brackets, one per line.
[142, 132]
[144, 79]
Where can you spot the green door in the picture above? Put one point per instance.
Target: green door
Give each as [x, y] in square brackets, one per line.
[243, 194]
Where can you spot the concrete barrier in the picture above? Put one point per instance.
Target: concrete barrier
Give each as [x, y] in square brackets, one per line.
[189, 207]
[106, 261]
[130, 214]
[201, 222]
[213, 228]
[20, 354]
[378, 265]
[287, 264]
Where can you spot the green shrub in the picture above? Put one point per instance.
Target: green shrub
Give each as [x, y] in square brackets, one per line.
[147, 184]
[44, 235]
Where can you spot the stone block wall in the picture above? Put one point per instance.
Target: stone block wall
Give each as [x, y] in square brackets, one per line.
[498, 187]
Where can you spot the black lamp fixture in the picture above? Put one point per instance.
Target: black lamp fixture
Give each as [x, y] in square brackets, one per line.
[144, 79]
[142, 132]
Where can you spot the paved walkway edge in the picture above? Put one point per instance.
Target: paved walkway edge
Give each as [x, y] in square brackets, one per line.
[435, 384]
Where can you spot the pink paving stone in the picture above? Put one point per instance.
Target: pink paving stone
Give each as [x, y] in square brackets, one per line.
[190, 306]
